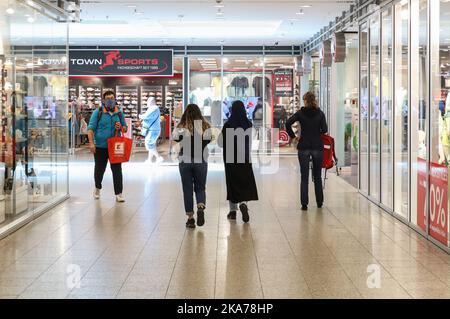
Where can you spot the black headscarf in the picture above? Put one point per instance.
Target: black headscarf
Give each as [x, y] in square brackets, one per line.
[238, 117]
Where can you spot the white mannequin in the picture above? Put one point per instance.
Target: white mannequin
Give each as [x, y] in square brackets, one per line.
[151, 148]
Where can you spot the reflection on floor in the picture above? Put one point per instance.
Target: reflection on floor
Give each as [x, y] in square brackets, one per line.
[141, 249]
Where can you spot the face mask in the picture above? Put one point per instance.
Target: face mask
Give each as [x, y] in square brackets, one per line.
[110, 104]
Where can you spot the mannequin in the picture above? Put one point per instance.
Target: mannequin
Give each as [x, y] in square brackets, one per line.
[151, 129]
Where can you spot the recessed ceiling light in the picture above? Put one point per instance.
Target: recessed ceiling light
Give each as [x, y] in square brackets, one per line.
[131, 6]
[30, 19]
[10, 11]
[306, 6]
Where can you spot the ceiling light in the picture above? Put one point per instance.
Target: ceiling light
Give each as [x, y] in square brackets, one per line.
[30, 19]
[131, 6]
[306, 6]
[219, 4]
[10, 11]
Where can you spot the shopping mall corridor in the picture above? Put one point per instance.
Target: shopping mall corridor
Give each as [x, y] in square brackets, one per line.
[141, 249]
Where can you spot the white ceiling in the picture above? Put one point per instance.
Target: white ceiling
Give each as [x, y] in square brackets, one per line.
[194, 22]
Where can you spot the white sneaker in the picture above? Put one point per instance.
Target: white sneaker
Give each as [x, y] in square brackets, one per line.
[119, 198]
[96, 193]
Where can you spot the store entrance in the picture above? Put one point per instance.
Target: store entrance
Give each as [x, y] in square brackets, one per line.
[344, 114]
[134, 95]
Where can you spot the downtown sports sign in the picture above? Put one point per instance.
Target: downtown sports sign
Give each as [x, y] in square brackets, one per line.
[121, 62]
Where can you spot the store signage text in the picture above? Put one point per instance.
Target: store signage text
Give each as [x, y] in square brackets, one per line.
[86, 61]
[53, 61]
[121, 63]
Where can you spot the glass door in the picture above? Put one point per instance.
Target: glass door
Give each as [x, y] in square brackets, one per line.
[374, 109]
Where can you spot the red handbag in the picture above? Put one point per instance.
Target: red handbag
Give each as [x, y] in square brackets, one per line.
[119, 149]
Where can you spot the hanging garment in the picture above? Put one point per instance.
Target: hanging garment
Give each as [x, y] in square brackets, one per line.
[259, 83]
[240, 84]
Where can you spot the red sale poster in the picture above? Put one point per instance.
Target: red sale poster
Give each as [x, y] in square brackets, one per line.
[438, 217]
[421, 193]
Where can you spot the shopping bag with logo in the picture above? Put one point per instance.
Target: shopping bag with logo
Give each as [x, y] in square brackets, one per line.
[119, 149]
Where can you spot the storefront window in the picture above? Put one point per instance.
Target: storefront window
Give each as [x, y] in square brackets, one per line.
[283, 100]
[344, 111]
[419, 105]
[364, 111]
[386, 110]
[440, 121]
[134, 96]
[206, 88]
[401, 110]
[374, 113]
[33, 107]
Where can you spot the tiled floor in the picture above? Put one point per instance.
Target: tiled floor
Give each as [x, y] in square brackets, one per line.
[141, 249]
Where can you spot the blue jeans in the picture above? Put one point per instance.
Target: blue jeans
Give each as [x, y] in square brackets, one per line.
[193, 178]
[304, 157]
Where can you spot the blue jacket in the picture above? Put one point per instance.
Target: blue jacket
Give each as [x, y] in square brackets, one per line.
[105, 127]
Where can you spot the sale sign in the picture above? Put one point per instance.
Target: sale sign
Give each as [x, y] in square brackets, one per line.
[284, 81]
[438, 223]
[421, 193]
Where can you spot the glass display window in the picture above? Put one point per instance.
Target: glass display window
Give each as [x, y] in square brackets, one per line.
[34, 116]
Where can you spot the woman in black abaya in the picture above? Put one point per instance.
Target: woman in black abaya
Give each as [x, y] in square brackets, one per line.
[236, 142]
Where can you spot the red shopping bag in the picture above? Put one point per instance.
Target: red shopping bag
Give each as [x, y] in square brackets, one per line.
[119, 149]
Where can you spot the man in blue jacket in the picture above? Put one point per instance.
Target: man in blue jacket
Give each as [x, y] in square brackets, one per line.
[104, 123]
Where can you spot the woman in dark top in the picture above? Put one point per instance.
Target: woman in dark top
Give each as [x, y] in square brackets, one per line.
[310, 146]
[194, 134]
[236, 142]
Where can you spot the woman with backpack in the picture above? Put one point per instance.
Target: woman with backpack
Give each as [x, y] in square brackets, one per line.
[310, 145]
[236, 142]
[194, 134]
